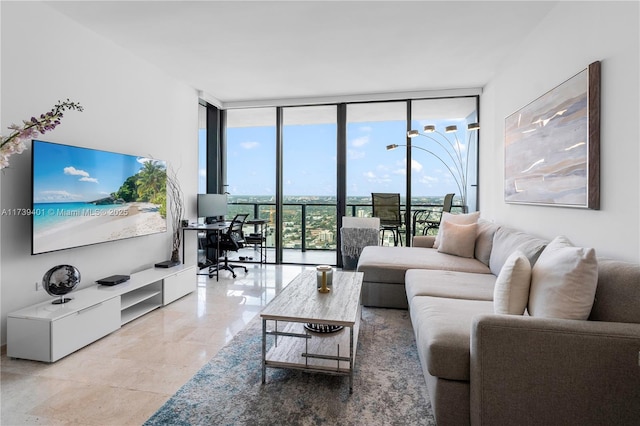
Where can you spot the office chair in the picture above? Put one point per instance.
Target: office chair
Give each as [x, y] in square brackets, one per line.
[386, 206]
[431, 218]
[230, 240]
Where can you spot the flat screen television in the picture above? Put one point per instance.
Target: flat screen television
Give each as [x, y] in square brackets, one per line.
[83, 196]
[212, 207]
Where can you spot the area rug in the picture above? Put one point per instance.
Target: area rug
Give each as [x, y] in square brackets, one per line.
[388, 386]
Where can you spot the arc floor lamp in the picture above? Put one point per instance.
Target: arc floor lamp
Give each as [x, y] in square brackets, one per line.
[457, 154]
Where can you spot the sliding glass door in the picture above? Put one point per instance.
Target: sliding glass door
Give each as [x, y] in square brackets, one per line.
[370, 167]
[444, 152]
[309, 184]
[251, 166]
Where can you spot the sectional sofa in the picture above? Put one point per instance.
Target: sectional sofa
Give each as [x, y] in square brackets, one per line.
[513, 329]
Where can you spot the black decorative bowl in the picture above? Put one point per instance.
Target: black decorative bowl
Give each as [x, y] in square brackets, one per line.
[61, 280]
[323, 328]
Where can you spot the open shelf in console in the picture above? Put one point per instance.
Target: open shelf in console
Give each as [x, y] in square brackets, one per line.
[138, 302]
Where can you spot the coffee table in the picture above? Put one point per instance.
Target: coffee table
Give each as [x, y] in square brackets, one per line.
[300, 303]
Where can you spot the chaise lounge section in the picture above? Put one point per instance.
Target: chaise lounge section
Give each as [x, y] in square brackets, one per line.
[497, 369]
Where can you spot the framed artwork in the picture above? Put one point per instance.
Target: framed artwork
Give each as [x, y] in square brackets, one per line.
[552, 146]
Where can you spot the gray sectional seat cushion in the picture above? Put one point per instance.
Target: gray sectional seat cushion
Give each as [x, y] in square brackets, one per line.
[389, 264]
[452, 284]
[442, 327]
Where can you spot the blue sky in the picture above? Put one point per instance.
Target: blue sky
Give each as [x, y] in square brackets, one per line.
[71, 174]
[310, 159]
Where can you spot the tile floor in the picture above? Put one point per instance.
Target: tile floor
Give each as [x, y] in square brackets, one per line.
[126, 376]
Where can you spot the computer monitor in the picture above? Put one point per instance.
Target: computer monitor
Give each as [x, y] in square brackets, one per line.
[212, 207]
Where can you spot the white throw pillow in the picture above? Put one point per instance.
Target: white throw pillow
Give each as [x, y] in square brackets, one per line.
[458, 240]
[460, 219]
[511, 291]
[563, 281]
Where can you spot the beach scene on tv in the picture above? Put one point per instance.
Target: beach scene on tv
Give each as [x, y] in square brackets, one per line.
[84, 196]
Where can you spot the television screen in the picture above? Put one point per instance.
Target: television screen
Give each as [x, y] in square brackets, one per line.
[83, 196]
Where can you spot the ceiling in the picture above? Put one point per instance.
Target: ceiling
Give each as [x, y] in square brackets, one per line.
[243, 53]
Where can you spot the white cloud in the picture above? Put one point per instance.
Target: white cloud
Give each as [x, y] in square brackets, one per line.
[372, 177]
[250, 145]
[70, 170]
[428, 180]
[88, 179]
[361, 141]
[75, 172]
[416, 166]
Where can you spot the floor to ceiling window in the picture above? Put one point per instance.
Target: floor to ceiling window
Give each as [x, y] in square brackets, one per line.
[370, 167]
[379, 156]
[251, 165]
[444, 151]
[309, 178]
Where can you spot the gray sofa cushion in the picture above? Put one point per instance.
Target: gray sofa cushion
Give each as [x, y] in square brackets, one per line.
[507, 240]
[389, 264]
[452, 284]
[484, 240]
[443, 333]
[618, 292]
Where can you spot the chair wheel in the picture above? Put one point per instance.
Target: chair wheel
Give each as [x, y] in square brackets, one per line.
[210, 276]
[234, 275]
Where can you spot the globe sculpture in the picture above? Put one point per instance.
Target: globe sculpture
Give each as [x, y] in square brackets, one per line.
[61, 280]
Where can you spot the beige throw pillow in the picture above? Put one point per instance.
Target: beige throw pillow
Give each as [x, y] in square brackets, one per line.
[458, 240]
[460, 219]
[511, 291]
[563, 281]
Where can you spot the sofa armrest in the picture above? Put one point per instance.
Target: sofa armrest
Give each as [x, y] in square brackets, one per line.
[425, 241]
[534, 371]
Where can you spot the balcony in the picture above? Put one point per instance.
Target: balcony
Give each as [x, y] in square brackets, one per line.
[309, 231]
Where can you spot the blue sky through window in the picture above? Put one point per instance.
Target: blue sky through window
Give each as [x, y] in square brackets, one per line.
[310, 159]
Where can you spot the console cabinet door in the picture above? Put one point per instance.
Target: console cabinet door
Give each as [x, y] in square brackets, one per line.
[178, 285]
[77, 330]
[29, 338]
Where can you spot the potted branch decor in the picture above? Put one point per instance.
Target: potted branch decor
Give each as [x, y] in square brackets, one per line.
[176, 210]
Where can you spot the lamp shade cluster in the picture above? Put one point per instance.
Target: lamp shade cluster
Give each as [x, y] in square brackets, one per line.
[453, 156]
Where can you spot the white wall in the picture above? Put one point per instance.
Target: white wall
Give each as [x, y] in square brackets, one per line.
[571, 36]
[130, 107]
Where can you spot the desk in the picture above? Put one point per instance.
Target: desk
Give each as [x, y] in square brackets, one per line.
[219, 227]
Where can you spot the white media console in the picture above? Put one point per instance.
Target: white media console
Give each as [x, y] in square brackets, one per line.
[48, 332]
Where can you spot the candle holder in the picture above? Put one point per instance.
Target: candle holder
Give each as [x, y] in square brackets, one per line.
[324, 278]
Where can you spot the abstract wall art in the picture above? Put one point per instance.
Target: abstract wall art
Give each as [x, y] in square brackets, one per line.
[552, 146]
